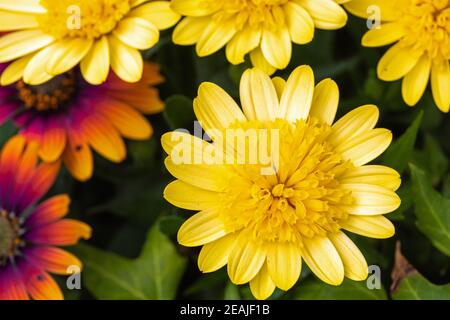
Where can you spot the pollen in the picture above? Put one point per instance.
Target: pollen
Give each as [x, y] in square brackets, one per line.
[82, 18]
[427, 26]
[49, 96]
[303, 198]
[255, 14]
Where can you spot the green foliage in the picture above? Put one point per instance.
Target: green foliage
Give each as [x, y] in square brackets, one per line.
[155, 274]
[348, 290]
[416, 287]
[432, 211]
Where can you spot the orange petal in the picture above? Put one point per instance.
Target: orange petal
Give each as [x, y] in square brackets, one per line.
[53, 260]
[50, 210]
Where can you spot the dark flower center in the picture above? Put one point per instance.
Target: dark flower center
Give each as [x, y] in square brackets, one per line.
[9, 236]
[51, 95]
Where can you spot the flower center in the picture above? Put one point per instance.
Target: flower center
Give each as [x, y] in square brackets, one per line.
[427, 25]
[89, 19]
[9, 239]
[255, 14]
[51, 95]
[304, 198]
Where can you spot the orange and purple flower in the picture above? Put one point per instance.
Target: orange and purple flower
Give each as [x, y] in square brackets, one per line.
[67, 117]
[30, 232]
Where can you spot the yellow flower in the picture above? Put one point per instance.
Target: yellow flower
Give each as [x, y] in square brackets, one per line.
[263, 28]
[50, 37]
[420, 30]
[262, 224]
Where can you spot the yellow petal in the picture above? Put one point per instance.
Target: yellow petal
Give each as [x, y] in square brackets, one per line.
[355, 265]
[284, 264]
[214, 255]
[373, 174]
[209, 177]
[259, 61]
[386, 34]
[440, 85]
[242, 43]
[365, 147]
[214, 37]
[300, 23]
[203, 227]
[415, 81]
[326, 14]
[397, 62]
[323, 259]
[67, 54]
[18, 44]
[126, 62]
[298, 94]
[194, 8]
[158, 13]
[325, 101]
[189, 30]
[262, 285]
[245, 260]
[214, 108]
[185, 148]
[17, 21]
[14, 72]
[276, 47]
[371, 199]
[30, 6]
[258, 96]
[137, 33]
[365, 9]
[35, 72]
[377, 227]
[279, 84]
[95, 65]
[186, 196]
[354, 123]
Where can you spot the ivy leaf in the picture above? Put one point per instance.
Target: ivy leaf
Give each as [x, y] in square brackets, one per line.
[416, 287]
[432, 211]
[399, 153]
[348, 290]
[153, 275]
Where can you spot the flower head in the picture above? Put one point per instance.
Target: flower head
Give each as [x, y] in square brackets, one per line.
[67, 117]
[50, 37]
[420, 30]
[263, 28]
[29, 231]
[263, 218]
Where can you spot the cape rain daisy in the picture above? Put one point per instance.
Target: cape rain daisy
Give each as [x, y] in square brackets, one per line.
[67, 117]
[30, 232]
[50, 37]
[263, 28]
[264, 224]
[420, 30]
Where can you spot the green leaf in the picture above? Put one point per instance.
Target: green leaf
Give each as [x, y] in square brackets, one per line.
[348, 290]
[231, 292]
[179, 112]
[400, 152]
[432, 211]
[154, 275]
[416, 287]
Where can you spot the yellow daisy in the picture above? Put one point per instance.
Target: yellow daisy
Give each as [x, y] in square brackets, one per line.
[49, 37]
[263, 28]
[263, 224]
[420, 30]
